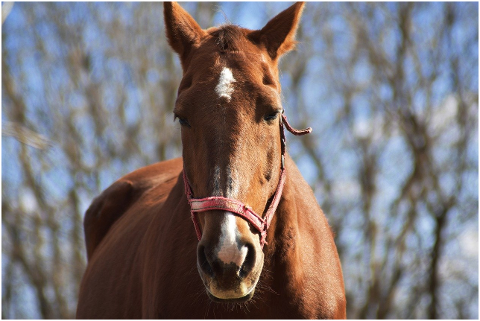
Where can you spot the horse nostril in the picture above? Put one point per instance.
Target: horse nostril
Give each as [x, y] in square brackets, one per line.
[203, 261]
[212, 265]
[248, 263]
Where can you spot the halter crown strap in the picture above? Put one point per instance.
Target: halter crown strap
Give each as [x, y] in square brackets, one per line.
[294, 131]
[215, 203]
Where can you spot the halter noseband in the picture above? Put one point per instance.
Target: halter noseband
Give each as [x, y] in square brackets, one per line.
[231, 205]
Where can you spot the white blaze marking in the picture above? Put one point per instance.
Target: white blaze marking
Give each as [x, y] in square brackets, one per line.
[234, 188]
[216, 179]
[228, 251]
[225, 84]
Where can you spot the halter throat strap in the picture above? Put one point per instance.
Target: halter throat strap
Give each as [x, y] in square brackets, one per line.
[219, 203]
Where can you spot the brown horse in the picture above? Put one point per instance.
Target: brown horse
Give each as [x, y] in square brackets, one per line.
[264, 247]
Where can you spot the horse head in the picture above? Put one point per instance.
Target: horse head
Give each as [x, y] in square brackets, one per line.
[229, 108]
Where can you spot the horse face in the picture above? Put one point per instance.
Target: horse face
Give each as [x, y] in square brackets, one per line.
[229, 107]
[231, 148]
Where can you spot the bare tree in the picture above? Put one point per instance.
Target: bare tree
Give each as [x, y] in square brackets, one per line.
[391, 90]
[88, 91]
[400, 84]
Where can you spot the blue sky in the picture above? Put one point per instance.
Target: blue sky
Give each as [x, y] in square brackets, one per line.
[322, 102]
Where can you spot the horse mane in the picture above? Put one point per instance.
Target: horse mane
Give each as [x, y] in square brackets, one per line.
[228, 38]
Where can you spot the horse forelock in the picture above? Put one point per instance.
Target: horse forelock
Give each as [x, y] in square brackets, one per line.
[228, 38]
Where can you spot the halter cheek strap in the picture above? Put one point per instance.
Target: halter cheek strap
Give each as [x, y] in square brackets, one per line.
[219, 203]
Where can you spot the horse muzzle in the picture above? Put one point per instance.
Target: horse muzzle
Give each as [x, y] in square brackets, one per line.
[229, 262]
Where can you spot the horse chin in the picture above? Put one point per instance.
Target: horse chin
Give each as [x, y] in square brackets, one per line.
[230, 298]
[233, 300]
[238, 294]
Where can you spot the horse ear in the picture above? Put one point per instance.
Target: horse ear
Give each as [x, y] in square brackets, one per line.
[183, 32]
[278, 35]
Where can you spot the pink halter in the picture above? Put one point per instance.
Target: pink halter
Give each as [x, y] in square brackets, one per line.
[237, 207]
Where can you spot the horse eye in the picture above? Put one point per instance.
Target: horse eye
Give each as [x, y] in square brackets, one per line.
[271, 116]
[183, 121]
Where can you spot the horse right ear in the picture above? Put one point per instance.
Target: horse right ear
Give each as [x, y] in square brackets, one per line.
[183, 32]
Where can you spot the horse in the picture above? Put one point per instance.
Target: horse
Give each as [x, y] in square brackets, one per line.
[260, 245]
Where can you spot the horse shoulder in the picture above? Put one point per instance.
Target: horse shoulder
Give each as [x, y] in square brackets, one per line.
[322, 272]
[113, 202]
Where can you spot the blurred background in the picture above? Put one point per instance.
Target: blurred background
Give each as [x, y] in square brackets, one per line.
[391, 90]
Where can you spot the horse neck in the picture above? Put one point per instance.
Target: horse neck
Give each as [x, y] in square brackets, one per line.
[298, 224]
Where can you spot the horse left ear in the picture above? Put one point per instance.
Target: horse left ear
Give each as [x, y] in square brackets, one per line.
[278, 35]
